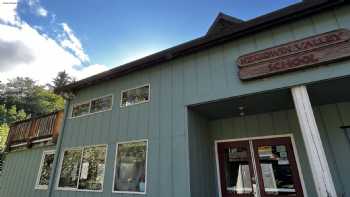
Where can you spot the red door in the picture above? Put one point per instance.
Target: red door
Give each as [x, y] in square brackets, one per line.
[277, 168]
[236, 169]
[259, 167]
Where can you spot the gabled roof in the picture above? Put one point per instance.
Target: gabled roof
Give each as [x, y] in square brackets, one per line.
[223, 23]
[278, 17]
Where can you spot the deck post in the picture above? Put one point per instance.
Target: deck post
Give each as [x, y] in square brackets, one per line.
[314, 148]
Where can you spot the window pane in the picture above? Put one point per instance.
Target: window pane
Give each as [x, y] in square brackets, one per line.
[46, 167]
[238, 178]
[81, 109]
[101, 104]
[70, 169]
[276, 170]
[135, 96]
[92, 169]
[131, 167]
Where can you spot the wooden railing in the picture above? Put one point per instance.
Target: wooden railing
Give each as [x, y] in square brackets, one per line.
[35, 130]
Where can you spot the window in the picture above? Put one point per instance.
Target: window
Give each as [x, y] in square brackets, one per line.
[135, 96]
[276, 170]
[93, 106]
[130, 167]
[92, 168]
[83, 168]
[81, 109]
[101, 104]
[44, 174]
[70, 169]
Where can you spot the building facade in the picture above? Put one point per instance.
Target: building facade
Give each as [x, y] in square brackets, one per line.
[253, 108]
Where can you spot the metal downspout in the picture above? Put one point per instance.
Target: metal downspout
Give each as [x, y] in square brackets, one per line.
[57, 152]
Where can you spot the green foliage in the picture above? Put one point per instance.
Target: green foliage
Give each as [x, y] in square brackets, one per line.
[8, 116]
[62, 79]
[21, 115]
[45, 101]
[4, 129]
[11, 115]
[32, 99]
[3, 114]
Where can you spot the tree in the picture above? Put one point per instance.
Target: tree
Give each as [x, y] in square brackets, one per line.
[4, 129]
[8, 116]
[18, 92]
[11, 115]
[3, 114]
[33, 99]
[62, 79]
[45, 101]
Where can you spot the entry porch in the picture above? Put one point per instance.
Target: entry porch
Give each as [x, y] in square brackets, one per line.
[250, 129]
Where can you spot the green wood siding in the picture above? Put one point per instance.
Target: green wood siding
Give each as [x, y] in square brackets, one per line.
[161, 121]
[202, 168]
[337, 146]
[20, 173]
[201, 77]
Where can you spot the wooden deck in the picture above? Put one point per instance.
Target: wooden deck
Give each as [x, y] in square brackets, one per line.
[35, 130]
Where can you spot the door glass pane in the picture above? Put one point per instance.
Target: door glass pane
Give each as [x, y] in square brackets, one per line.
[276, 170]
[237, 172]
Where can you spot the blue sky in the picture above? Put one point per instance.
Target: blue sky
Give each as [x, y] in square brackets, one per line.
[113, 32]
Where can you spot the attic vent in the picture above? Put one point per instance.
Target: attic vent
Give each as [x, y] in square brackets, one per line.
[222, 24]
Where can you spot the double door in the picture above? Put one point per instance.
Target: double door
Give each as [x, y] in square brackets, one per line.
[258, 168]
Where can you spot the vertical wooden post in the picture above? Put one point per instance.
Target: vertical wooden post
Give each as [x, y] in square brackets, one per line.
[313, 144]
[32, 130]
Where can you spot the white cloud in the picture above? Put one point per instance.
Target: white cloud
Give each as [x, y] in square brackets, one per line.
[71, 42]
[37, 8]
[8, 11]
[89, 70]
[41, 11]
[26, 52]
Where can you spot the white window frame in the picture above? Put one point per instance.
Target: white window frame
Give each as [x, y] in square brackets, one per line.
[146, 167]
[89, 101]
[81, 148]
[37, 186]
[140, 86]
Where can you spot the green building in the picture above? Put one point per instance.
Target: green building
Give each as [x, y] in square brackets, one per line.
[252, 108]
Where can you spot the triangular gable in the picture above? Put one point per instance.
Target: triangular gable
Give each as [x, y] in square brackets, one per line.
[223, 23]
